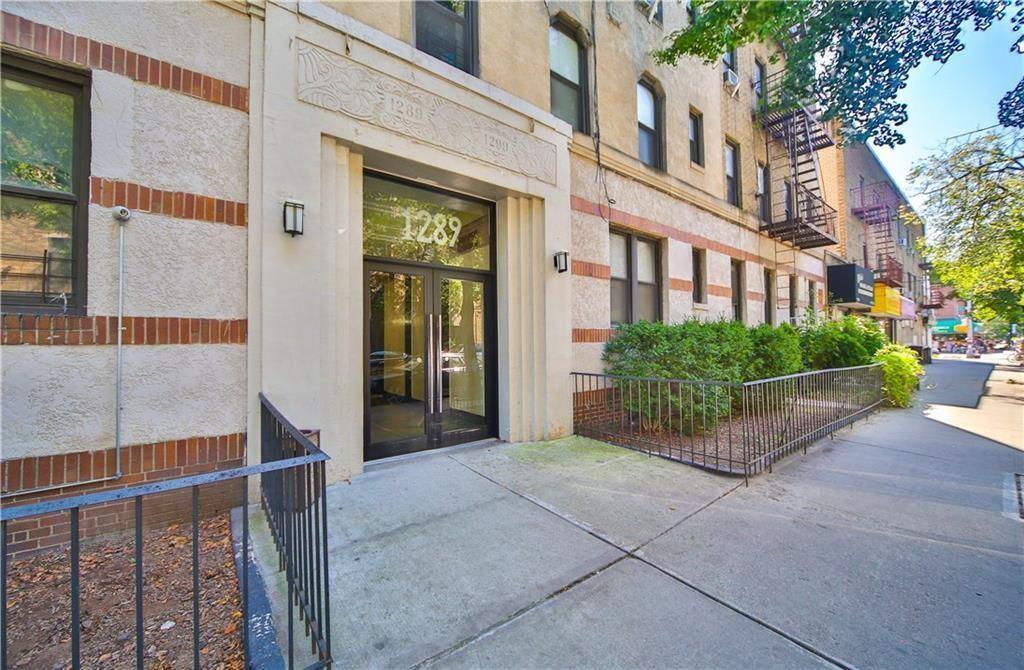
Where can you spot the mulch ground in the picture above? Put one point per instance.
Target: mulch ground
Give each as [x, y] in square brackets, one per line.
[39, 591]
[721, 446]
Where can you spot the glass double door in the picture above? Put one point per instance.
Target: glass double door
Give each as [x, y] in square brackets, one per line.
[428, 348]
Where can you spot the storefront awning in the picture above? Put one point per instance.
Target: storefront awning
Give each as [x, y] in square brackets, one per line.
[908, 308]
[887, 303]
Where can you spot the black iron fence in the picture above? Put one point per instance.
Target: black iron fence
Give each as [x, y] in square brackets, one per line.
[293, 496]
[729, 427]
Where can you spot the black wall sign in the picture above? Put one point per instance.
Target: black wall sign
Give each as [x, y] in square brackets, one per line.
[851, 285]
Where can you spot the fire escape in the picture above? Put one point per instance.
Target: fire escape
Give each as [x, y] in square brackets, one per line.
[792, 208]
[878, 206]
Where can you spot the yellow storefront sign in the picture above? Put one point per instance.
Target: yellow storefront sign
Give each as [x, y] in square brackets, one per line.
[887, 302]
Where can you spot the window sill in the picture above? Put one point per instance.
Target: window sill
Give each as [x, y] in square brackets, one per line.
[703, 306]
[41, 310]
[699, 167]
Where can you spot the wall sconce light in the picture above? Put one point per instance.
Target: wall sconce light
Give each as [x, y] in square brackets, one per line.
[293, 217]
[562, 261]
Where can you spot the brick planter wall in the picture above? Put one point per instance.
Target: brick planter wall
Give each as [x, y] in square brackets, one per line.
[139, 463]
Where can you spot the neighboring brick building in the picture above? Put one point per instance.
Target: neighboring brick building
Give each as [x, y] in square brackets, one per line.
[441, 168]
[878, 231]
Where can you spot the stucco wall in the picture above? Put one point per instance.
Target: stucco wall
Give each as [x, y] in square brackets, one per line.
[60, 399]
[202, 36]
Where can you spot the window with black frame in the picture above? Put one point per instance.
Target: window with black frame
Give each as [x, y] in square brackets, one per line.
[648, 114]
[732, 173]
[447, 30]
[738, 290]
[568, 77]
[769, 297]
[700, 276]
[635, 279]
[44, 186]
[764, 197]
[787, 200]
[794, 296]
[760, 75]
[696, 137]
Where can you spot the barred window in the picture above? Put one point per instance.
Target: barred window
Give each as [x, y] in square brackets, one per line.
[44, 186]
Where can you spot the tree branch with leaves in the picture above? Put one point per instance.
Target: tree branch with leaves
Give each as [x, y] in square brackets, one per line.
[851, 56]
[975, 211]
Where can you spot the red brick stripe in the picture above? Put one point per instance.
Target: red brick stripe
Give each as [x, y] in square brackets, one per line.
[82, 51]
[721, 291]
[588, 269]
[754, 295]
[680, 284]
[639, 223]
[591, 335]
[178, 204]
[74, 330]
[139, 463]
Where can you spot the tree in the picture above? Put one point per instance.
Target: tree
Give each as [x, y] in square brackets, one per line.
[975, 211]
[851, 56]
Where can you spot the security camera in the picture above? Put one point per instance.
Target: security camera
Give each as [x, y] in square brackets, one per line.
[122, 213]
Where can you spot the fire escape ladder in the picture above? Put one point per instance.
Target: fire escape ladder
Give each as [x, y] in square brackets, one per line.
[877, 205]
[799, 217]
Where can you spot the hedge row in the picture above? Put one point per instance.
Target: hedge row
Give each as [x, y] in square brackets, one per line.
[728, 351]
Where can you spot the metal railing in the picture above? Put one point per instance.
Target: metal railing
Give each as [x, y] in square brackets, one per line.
[295, 502]
[293, 496]
[737, 428]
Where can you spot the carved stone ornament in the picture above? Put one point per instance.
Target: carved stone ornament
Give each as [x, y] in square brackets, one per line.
[338, 84]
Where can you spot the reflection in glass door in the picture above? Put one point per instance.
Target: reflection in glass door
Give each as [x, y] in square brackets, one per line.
[427, 359]
[430, 317]
[462, 375]
[396, 366]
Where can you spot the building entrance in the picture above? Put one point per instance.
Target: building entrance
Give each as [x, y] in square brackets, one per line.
[429, 296]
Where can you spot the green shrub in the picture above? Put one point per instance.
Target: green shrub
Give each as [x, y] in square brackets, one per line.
[692, 349]
[774, 352]
[844, 343]
[689, 350]
[900, 370]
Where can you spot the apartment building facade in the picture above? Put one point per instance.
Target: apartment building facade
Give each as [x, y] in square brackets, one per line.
[879, 237]
[403, 226]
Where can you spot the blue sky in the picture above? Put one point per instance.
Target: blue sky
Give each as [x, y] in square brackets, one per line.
[962, 95]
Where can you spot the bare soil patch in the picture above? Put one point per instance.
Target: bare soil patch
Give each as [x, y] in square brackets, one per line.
[39, 610]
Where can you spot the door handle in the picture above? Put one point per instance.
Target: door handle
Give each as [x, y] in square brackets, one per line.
[430, 365]
[440, 363]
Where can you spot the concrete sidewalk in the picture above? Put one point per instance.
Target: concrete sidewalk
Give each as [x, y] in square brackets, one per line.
[898, 544]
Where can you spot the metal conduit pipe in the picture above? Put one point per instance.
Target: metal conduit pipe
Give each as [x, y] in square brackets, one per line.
[121, 215]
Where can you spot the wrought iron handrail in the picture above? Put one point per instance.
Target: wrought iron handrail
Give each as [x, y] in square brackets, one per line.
[293, 496]
[733, 427]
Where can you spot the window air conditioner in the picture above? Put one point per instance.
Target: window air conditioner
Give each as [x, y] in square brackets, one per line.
[731, 79]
